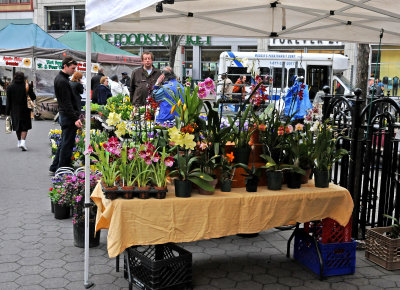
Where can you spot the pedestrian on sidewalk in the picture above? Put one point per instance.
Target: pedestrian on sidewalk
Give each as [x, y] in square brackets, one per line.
[77, 88]
[68, 115]
[18, 109]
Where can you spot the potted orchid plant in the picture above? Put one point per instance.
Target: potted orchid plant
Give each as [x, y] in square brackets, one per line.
[159, 173]
[186, 171]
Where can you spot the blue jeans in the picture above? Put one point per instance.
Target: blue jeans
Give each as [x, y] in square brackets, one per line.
[64, 151]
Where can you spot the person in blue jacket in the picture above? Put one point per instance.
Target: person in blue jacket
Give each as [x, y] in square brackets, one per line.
[104, 91]
[166, 84]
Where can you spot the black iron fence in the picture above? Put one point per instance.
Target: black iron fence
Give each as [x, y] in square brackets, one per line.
[371, 172]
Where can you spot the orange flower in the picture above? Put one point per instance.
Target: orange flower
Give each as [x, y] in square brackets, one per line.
[262, 127]
[230, 157]
[281, 130]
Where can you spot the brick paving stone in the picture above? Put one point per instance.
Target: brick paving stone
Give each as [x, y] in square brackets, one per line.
[290, 281]
[249, 285]
[199, 280]
[382, 283]
[8, 277]
[102, 279]
[28, 280]
[53, 273]
[9, 286]
[207, 244]
[228, 247]
[265, 279]
[8, 237]
[250, 249]
[343, 286]
[222, 283]
[316, 284]
[9, 251]
[73, 258]
[52, 255]
[205, 287]
[107, 287]
[30, 261]
[30, 253]
[359, 281]
[371, 287]
[100, 269]
[32, 269]
[278, 272]
[54, 263]
[8, 267]
[9, 258]
[56, 283]
[370, 271]
[215, 273]
[200, 256]
[214, 251]
[276, 287]
[254, 269]
[194, 249]
[73, 266]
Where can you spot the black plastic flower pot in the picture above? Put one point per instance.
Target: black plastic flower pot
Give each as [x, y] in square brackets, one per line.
[61, 212]
[293, 179]
[242, 155]
[226, 185]
[252, 184]
[274, 180]
[79, 235]
[183, 188]
[321, 178]
[52, 206]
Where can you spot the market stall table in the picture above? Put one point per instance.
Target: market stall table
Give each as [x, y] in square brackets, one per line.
[159, 221]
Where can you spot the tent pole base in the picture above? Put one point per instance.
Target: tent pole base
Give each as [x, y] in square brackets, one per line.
[88, 285]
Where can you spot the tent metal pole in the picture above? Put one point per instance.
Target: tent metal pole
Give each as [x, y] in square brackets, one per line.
[87, 283]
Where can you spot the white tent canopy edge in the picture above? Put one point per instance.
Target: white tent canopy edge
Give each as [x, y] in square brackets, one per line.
[337, 20]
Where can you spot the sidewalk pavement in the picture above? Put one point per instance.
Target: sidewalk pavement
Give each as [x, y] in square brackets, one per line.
[37, 251]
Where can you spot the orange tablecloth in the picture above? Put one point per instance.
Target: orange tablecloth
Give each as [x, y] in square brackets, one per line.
[153, 221]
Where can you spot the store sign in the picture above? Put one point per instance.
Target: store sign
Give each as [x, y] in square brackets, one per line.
[15, 61]
[141, 39]
[54, 64]
[288, 42]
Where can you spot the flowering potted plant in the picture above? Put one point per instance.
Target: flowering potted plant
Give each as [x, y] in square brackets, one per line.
[126, 170]
[60, 196]
[146, 154]
[159, 173]
[106, 161]
[326, 152]
[185, 163]
[241, 131]
[77, 188]
[252, 176]
[227, 167]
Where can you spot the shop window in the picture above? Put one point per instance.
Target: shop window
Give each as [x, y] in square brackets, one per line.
[15, 1]
[292, 73]
[65, 18]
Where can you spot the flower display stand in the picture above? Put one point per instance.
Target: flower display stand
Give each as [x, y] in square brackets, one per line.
[166, 266]
[383, 250]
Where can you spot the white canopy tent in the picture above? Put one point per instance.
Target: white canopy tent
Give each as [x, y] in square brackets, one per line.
[358, 21]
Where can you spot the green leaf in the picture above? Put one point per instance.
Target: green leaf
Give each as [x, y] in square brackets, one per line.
[201, 183]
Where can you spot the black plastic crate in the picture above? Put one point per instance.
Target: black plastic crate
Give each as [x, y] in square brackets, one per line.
[158, 267]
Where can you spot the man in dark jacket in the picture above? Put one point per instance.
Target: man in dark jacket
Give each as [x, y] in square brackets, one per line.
[126, 80]
[143, 79]
[95, 82]
[68, 115]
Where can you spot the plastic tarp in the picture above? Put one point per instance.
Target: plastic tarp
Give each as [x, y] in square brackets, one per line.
[336, 20]
[106, 52]
[27, 35]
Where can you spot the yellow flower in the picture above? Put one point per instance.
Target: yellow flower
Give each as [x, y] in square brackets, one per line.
[188, 141]
[113, 119]
[121, 129]
[184, 107]
[173, 109]
[179, 103]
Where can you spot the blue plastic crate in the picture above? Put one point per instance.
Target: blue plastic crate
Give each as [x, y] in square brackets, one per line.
[338, 258]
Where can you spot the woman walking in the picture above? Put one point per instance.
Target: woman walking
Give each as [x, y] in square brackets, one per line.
[18, 109]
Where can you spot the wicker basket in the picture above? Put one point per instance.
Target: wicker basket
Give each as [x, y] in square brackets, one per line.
[383, 250]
